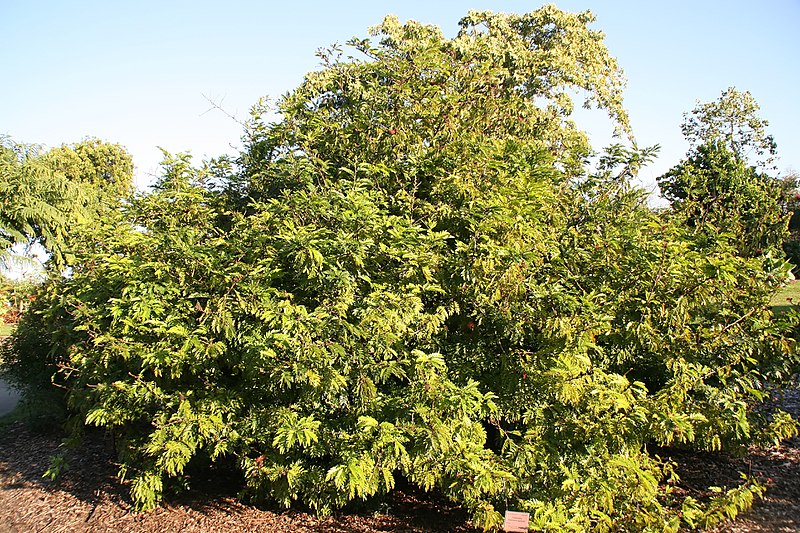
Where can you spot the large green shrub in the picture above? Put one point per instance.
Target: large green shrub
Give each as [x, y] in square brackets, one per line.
[420, 279]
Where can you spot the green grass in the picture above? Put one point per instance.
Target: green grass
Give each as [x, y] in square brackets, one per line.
[6, 329]
[786, 297]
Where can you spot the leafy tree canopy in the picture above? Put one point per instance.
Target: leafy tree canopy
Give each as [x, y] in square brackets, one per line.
[732, 121]
[722, 198]
[106, 168]
[720, 189]
[46, 196]
[417, 101]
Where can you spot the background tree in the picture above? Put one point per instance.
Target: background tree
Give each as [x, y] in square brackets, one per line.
[732, 121]
[46, 197]
[99, 166]
[790, 203]
[34, 201]
[721, 189]
[722, 198]
[15, 297]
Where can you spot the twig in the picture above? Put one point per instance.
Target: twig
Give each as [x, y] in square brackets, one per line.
[218, 107]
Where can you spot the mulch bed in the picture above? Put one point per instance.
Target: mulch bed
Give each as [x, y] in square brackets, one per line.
[89, 498]
[777, 468]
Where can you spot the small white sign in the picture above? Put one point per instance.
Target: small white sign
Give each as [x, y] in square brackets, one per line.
[516, 522]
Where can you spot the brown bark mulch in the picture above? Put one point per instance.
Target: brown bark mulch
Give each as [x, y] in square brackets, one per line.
[777, 467]
[89, 498]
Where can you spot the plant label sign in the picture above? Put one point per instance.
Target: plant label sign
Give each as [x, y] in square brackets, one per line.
[516, 522]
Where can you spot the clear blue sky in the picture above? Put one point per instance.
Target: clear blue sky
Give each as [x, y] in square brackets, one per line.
[136, 72]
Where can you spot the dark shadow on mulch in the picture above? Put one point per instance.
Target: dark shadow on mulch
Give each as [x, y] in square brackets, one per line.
[210, 503]
[25, 456]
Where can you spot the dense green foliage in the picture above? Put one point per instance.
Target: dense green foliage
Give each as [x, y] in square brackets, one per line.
[722, 198]
[104, 170]
[46, 196]
[31, 200]
[721, 189]
[732, 122]
[414, 274]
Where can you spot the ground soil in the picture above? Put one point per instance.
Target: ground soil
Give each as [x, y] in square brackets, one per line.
[88, 497]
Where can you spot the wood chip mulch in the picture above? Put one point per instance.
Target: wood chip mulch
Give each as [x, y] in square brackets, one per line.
[778, 468]
[89, 498]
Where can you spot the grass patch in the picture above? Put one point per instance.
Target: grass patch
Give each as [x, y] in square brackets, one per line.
[786, 297]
